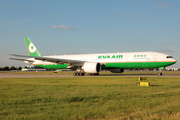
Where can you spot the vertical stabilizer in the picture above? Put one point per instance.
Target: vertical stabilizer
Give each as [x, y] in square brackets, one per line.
[32, 50]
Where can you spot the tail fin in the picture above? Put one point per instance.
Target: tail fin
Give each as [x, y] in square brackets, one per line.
[32, 50]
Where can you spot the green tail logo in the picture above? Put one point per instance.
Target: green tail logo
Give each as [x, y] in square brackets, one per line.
[32, 50]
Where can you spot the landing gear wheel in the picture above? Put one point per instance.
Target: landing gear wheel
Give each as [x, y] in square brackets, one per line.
[93, 74]
[78, 74]
[96, 73]
[75, 74]
[89, 74]
[160, 74]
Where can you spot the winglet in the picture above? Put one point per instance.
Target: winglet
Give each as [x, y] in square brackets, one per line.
[32, 50]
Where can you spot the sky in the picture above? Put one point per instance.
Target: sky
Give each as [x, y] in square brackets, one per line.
[59, 27]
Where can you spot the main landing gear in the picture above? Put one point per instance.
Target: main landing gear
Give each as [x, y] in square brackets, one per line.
[82, 74]
[78, 74]
[93, 74]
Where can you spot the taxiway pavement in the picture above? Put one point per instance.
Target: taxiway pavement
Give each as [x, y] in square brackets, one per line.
[3, 75]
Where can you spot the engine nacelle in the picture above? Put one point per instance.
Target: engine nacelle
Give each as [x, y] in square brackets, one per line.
[91, 67]
[117, 70]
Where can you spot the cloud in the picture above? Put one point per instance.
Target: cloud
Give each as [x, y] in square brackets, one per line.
[163, 4]
[63, 27]
[72, 28]
[165, 43]
[166, 50]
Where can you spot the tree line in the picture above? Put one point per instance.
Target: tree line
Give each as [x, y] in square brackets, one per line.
[7, 68]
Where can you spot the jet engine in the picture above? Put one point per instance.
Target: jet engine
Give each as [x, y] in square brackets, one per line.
[91, 67]
[116, 70]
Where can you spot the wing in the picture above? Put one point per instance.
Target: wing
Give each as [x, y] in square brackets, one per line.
[22, 59]
[51, 59]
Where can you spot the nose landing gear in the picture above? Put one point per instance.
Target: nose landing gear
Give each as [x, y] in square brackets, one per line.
[160, 74]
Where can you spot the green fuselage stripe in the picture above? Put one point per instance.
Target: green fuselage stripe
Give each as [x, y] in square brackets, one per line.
[138, 65]
[125, 65]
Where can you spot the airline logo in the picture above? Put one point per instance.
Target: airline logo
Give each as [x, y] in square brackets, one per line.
[32, 48]
[110, 56]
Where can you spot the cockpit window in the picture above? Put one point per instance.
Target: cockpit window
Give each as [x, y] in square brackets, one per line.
[169, 57]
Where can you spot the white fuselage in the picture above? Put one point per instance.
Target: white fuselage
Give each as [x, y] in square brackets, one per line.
[115, 57]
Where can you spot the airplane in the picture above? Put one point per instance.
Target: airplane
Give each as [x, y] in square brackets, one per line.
[94, 63]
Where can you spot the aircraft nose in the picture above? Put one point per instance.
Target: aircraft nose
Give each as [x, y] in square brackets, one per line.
[175, 60]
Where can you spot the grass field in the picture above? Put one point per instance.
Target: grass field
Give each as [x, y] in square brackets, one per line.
[89, 98]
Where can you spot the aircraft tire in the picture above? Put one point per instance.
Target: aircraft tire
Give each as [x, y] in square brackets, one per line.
[160, 74]
[97, 73]
[78, 74]
[75, 74]
[90, 74]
